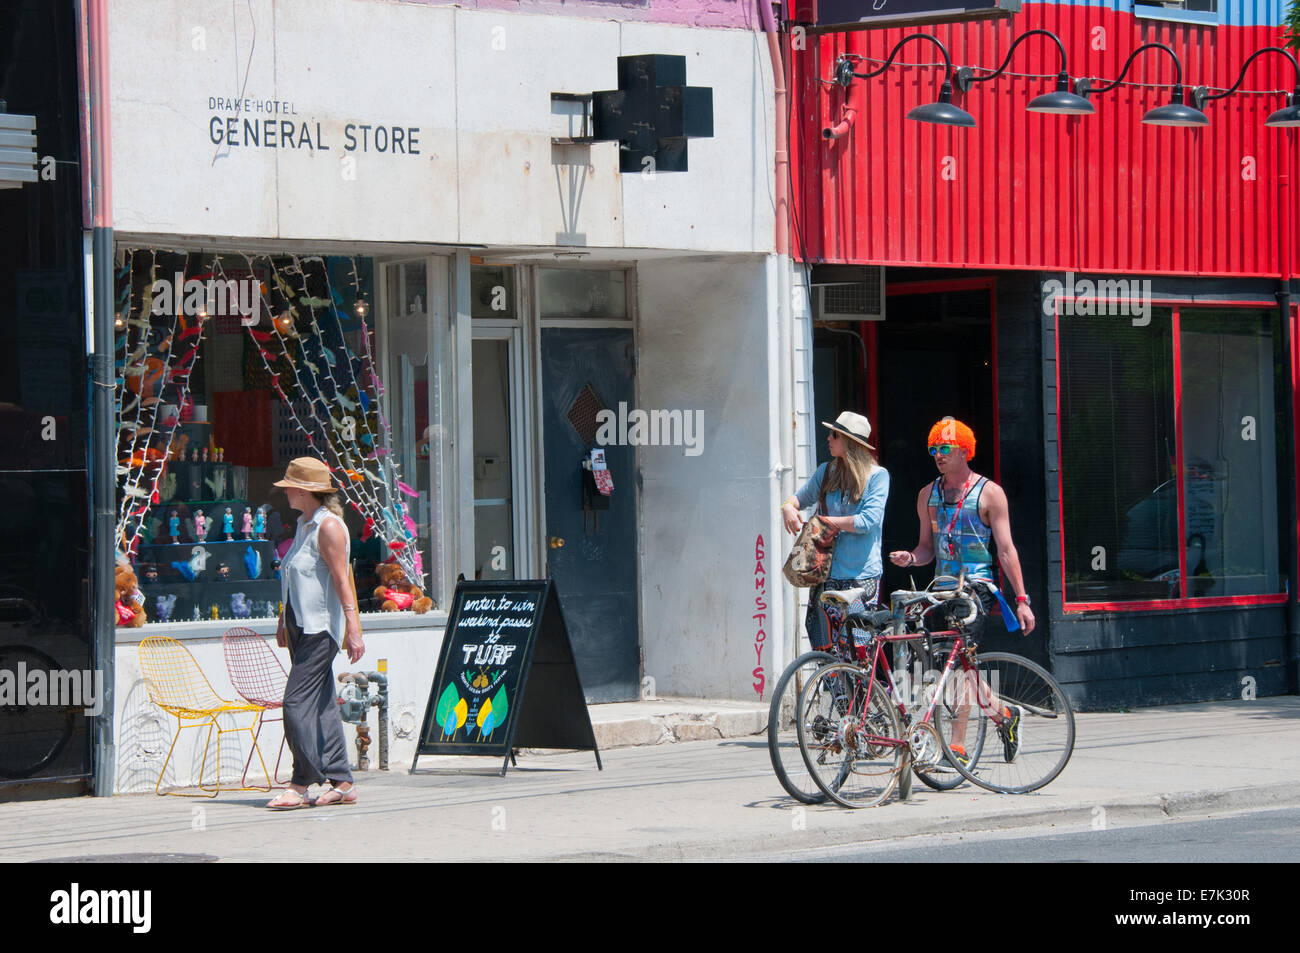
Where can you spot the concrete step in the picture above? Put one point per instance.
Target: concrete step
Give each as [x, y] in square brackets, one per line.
[662, 721]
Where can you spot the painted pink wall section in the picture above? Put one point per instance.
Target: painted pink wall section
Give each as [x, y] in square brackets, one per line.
[720, 14]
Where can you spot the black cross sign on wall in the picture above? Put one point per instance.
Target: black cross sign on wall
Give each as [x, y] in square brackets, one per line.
[652, 113]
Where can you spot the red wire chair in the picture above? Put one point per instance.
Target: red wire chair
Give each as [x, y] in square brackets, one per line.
[259, 677]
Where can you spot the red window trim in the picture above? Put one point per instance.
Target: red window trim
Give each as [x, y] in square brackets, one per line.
[1184, 601]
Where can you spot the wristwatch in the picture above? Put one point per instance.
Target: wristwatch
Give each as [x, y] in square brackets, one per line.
[1024, 599]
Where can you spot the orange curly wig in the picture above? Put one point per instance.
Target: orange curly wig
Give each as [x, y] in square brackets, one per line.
[955, 432]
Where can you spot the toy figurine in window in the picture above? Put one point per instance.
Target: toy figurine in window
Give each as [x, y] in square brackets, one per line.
[203, 455]
[130, 601]
[214, 612]
[223, 573]
[200, 526]
[165, 605]
[228, 524]
[259, 522]
[247, 527]
[275, 568]
[196, 616]
[240, 606]
[150, 573]
[174, 527]
[194, 455]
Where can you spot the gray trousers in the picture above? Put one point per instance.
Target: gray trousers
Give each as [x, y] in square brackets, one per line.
[312, 725]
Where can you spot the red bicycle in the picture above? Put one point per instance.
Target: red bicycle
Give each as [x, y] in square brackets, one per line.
[998, 720]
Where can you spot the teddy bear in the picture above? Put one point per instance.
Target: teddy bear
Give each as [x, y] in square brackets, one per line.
[129, 600]
[396, 594]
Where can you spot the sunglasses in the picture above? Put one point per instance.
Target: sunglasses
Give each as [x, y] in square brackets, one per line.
[944, 448]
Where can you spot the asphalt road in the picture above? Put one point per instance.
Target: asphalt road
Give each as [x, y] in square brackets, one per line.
[1258, 836]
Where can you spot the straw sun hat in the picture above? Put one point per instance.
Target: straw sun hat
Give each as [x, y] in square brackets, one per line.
[854, 426]
[307, 473]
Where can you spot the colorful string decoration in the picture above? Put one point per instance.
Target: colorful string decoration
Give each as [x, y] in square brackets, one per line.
[155, 355]
[338, 409]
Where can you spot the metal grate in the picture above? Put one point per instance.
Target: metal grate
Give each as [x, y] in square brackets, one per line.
[582, 414]
[860, 297]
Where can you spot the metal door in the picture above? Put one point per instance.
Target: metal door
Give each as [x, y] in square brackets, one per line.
[591, 552]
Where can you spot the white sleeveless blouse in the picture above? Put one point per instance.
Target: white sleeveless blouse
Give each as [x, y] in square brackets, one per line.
[306, 583]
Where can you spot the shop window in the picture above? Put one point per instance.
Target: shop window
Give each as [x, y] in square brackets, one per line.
[582, 293]
[414, 412]
[494, 543]
[229, 366]
[492, 292]
[1133, 530]
[1230, 451]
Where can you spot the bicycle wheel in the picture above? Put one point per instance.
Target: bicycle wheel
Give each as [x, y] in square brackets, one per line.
[852, 745]
[782, 738]
[32, 736]
[933, 766]
[1014, 758]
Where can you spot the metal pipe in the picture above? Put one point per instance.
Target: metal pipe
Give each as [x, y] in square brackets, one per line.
[1288, 400]
[848, 112]
[98, 217]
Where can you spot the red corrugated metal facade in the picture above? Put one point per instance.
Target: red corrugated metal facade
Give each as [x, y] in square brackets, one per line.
[1100, 193]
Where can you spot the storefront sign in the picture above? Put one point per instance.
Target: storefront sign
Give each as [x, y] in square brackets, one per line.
[506, 675]
[275, 124]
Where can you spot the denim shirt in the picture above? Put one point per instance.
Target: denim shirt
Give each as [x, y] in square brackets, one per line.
[857, 552]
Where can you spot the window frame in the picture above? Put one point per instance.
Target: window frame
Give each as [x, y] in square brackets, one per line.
[1183, 601]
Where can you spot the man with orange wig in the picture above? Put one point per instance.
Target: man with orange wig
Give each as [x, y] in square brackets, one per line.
[959, 513]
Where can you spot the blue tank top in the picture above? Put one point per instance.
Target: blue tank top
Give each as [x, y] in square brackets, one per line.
[967, 547]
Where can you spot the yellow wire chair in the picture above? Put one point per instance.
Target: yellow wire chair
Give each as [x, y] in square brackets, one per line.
[177, 685]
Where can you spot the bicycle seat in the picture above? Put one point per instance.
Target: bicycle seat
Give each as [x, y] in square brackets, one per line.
[845, 597]
[872, 620]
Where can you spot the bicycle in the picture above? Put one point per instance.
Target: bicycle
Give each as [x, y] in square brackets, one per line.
[851, 726]
[782, 738]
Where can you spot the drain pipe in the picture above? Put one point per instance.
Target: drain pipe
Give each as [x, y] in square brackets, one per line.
[781, 348]
[97, 218]
[848, 112]
[1289, 397]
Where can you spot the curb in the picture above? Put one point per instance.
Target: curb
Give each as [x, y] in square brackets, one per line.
[1076, 816]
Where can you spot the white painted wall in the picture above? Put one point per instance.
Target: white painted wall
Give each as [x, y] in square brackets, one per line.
[144, 731]
[703, 345]
[477, 86]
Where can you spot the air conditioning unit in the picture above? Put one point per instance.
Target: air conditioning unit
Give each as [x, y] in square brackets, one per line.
[852, 300]
[17, 149]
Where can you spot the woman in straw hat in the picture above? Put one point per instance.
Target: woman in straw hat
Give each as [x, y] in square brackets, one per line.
[320, 616]
[856, 490]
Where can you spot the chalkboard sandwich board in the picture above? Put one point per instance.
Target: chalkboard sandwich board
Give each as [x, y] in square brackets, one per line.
[506, 677]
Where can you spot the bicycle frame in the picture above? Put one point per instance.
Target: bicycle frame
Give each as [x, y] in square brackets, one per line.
[960, 651]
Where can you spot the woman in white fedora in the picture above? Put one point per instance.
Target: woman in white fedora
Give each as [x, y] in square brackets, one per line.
[856, 490]
[320, 615]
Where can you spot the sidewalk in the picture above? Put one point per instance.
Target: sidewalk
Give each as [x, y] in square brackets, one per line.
[693, 800]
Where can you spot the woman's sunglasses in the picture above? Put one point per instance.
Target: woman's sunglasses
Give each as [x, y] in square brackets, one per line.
[944, 448]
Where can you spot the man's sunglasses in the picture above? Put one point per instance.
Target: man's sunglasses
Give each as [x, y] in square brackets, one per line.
[944, 448]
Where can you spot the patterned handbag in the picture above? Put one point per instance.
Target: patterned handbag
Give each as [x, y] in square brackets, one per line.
[809, 562]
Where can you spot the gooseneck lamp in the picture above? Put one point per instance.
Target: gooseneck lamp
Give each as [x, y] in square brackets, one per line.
[1176, 113]
[1287, 117]
[1061, 102]
[942, 112]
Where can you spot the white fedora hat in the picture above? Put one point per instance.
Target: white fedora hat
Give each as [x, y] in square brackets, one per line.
[854, 426]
